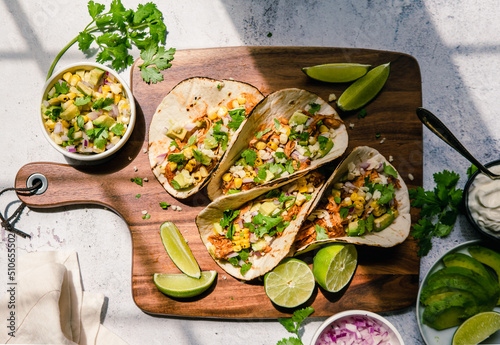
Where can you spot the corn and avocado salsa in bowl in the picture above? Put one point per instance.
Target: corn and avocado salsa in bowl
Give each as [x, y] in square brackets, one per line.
[87, 111]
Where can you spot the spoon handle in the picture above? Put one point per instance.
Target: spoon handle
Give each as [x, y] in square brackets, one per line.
[437, 127]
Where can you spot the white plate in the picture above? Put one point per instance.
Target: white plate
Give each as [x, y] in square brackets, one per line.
[444, 337]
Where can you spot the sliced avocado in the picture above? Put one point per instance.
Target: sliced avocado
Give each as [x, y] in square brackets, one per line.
[490, 286]
[456, 282]
[87, 91]
[267, 207]
[298, 118]
[449, 311]
[328, 147]
[104, 121]
[182, 181]
[466, 261]
[269, 176]
[210, 142]
[177, 133]
[439, 296]
[95, 76]
[383, 221]
[356, 228]
[487, 257]
[70, 112]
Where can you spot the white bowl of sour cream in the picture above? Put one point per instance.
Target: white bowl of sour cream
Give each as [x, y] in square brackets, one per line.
[482, 202]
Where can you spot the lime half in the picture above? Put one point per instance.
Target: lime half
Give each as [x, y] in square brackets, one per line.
[336, 72]
[178, 250]
[289, 284]
[364, 89]
[334, 266]
[477, 328]
[181, 286]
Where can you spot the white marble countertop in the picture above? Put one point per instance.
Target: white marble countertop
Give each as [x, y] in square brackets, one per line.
[456, 44]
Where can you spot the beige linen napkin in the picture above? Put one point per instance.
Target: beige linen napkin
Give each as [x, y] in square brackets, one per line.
[51, 306]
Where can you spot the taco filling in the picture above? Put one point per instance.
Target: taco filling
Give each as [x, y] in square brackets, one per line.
[361, 202]
[197, 144]
[282, 148]
[244, 235]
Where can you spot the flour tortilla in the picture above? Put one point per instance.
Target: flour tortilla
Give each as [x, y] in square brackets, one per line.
[282, 103]
[394, 234]
[186, 101]
[281, 245]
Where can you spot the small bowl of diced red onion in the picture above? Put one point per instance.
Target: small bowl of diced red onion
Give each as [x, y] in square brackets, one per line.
[87, 111]
[357, 327]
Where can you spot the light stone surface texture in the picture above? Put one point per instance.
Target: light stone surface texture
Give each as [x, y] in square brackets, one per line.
[456, 44]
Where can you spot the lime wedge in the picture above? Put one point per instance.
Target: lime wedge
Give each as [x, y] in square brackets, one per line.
[477, 328]
[336, 72]
[364, 89]
[334, 266]
[289, 284]
[178, 250]
[181, 286]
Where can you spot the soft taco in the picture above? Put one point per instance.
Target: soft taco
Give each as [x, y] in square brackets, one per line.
[248, 234]
[365, 201]
[193, 127]
[292, 131]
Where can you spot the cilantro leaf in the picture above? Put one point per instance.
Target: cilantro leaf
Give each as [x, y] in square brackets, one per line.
[80, 122]
[322, 140]
[277, 124]
[79, 101]
[290, 341]
[250, 156]
[471, 170]
[164, 205]
[320, 233]
[95, 9]
[261, 133]
[176, 157]
[202, 158]
[137, 180]
[314, 108]
[220, 136]
[343, 211]
[118, 129]
[61, 87]
[155, 59]
[102, 103]
[389, 170]
[175, 184]
[238, 115]
[245, 267]
[292, 325]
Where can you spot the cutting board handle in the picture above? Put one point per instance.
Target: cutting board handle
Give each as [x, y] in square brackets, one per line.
[64, 185]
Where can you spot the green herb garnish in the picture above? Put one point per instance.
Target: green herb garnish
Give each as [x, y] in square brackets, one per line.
[250, 156]
[292, 324]
[164, 205]
[137, 180]
[237, 116]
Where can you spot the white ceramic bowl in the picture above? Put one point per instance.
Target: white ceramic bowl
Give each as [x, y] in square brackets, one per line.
[90, 156]
[393, 332]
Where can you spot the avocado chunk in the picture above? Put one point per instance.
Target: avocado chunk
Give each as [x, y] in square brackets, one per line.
[356, 228]
[95, 76]
[182, 180]
[298, 118]
[487, 257]
[328, 147]
[70, 112]
[449, 311]
[267, 208]
[87, 91]
[104, 121]
[177, 133]
[259, 245]
[383, 221]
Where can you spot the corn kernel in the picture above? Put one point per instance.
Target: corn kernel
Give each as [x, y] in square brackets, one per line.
[347, 201]
[50, 124]
[284, 139]
[354, 196]
[303, 188]
[323, 129]
[172, 166]
[71, 95]
[117, 98]
[67, 76]
[235, 104]
[105, 89]
[358, 205]
[85, 118]
[188, 152]
[54, 101]
[272, 145]
[222, 111]
[260, 145]
[238, 182]
[258, 162]
[65, 123]
[75, 78]
[78, 135]
[237, 248]
[203, 172]
[227, 177]
[189, 167]
[197, 176]
[241, 100]
[192, 162]
[212, 116]
[63, 98]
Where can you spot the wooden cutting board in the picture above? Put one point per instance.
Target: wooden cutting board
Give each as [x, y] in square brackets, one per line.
[385, 279]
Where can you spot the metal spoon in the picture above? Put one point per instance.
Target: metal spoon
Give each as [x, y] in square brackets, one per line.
[437, 127]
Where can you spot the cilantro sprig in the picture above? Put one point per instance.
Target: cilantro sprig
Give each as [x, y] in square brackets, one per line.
[292, 325]
[438, 209]
[115, 32]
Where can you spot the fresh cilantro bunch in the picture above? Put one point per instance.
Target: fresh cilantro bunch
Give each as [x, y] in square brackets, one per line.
[292, 324]
[116, 30]
[438, 209]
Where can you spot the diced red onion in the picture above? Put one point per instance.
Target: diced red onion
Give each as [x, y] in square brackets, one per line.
[232, 255]
[325, 134]
[161, 157]
[190, 126]
[240, 223]
[64, 137]
[364, 165]
[58, 128]
[247, 180]
[257, 253]
[94, 115]
[309, 121]
[295, 155]
[114, 111]
[253, 238]
[254, 213]
[224, 129]
[276, 202]
[87, 149]
[270, 160]
[303, 159]
[46, 103]
[109, 146]
[241, 262]
[71, 148]
[85, 143]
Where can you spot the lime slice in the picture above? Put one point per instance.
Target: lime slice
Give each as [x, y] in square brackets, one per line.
[178, 250]
[334, 266]
[364, 89]
[336, 72]
[182, 286]
[289, 284]
[477, 328]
